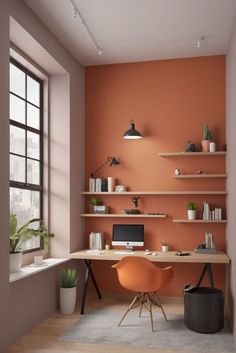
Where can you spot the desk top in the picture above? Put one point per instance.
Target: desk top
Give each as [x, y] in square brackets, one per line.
[111, 255]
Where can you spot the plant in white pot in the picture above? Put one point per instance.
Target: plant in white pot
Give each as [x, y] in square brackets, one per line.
[192, 211]
[18, 236]
[68, 282]
[164, 246]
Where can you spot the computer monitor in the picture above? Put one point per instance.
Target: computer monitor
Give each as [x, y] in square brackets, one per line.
[128, 235]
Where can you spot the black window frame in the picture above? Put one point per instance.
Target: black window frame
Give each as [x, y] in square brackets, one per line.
[25, 185]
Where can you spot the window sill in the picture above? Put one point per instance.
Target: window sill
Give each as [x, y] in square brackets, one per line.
[27, 270]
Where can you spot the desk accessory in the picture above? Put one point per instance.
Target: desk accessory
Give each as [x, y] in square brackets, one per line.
[112, 160]
[182, 253]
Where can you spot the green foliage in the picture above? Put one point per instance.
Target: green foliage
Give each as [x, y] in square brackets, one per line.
[95, 201]
[191, 206]
[19, 236]
[206, 133]
[68, 278]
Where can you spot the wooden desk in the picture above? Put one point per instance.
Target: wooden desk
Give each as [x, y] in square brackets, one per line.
[111, 255]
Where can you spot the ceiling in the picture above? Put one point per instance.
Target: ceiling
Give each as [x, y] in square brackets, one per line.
[139, 30]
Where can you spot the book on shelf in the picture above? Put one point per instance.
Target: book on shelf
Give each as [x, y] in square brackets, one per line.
[98, 185]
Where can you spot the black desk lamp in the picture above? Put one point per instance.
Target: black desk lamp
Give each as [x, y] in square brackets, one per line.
[111, 160]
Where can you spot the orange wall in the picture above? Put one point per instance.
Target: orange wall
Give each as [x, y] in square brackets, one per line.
[169, 100]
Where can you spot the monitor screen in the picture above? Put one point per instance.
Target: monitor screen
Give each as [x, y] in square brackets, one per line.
[128, 235]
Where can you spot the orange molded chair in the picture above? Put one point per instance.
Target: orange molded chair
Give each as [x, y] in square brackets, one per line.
[140, 275]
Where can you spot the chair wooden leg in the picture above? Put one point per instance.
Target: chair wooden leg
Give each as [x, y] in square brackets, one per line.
[142, 303]
[150, 309]
[129, 308]
[160, 305]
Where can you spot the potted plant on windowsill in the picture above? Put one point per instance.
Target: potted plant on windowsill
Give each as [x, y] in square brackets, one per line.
[68, 282]
[192, 211]
[19, 236]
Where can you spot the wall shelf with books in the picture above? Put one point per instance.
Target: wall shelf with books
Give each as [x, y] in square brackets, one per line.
[191, 154]
[156, 193]
[121, 215]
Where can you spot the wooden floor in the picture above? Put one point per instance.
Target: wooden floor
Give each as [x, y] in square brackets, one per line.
[43, 338]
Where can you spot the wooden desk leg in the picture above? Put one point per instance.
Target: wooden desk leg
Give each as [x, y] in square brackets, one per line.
[206, 268]
[88, 273]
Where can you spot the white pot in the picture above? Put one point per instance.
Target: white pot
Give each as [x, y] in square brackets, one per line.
[192, 214]
[164, 248]
[67, 300]
[15, 262]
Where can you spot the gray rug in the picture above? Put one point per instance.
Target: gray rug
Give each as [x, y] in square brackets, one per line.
[100, 327]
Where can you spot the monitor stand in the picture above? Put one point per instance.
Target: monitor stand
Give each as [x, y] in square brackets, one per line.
[128, 248]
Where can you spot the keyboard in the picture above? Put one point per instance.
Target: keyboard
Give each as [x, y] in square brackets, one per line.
[124, 252]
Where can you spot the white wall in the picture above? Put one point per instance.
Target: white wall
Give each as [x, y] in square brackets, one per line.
[231, 181]
[26, 302]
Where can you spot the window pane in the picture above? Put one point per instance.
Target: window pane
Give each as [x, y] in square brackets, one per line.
[25, 204]
[33, 91]
[32, 116]
[17, 81]
[17, 168]
[17, 140]
[33, 172]
[17, 109]
[32, 145]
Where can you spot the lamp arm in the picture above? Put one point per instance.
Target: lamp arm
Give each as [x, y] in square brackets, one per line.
[96, 170]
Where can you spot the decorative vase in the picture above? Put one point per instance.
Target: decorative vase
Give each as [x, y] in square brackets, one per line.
[212, 147]
[205, 145]
[67, 300]
[164, 248]
[15, 262]
[192, 214]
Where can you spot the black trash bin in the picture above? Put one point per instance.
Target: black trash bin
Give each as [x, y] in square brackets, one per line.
[204, 309]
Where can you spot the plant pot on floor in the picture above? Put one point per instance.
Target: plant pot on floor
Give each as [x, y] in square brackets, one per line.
[15, 262]
[192, 214]
[67, 300]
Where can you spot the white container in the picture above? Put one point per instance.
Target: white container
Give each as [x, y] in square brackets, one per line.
[96, 240]
[67, 300]
[192, 214]
[38, 260]
[15, 262]
[212, 147]
[164, 248]
[111, 184]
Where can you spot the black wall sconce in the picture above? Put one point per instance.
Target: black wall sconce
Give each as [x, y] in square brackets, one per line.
[112, 162]
[132, 133]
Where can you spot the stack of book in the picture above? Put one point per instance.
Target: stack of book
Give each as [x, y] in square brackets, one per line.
[211, 214]
[97, 185]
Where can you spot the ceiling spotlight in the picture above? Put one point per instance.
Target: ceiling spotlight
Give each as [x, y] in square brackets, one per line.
[199, 41]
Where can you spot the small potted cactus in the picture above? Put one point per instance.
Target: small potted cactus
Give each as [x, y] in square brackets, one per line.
[192, 211]
[164, 246]
[207, 136]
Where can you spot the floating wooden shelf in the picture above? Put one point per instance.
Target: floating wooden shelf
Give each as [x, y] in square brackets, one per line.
[199, 221]
[128, 193]
[114, 215]
[191, 154]
[199, 176]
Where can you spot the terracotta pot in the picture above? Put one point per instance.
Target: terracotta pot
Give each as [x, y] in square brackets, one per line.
[205, 145]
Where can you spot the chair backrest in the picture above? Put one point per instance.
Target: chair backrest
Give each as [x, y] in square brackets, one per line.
[141, 275]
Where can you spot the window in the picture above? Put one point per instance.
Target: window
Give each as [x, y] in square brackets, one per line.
[26, 147]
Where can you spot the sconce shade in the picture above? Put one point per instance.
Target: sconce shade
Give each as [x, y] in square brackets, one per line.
[113, 161]
[132, 134]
